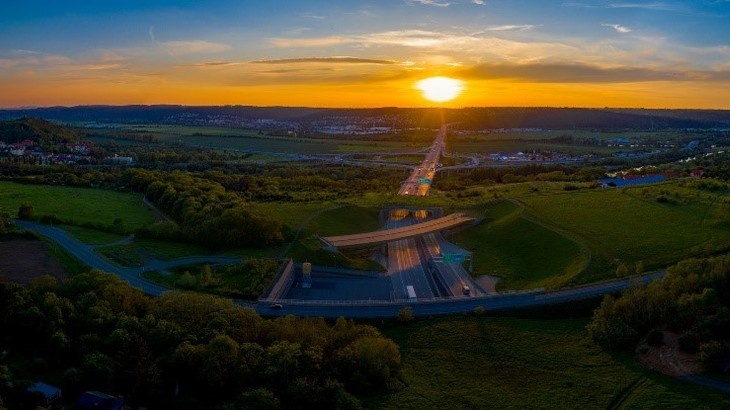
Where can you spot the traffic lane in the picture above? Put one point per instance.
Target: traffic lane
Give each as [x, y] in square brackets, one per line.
[415, 272]
[497, 302]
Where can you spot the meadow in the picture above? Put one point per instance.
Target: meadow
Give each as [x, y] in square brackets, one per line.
[584, 141]
[521, 252]
[652, 226]
[516, 363]
[75, 206]
[251, 140]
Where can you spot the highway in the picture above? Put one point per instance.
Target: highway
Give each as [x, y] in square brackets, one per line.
[419, 182]
[354, 309]
[453, 275]
[447, 306]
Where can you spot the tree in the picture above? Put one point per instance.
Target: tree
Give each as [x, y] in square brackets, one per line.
[5, 221]
[711, 354]
[622, 271]
[187, 280]
[26, 211]
[206, 275]
[404, 315]
[607, 329]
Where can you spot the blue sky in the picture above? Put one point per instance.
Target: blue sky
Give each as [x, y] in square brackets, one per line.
[626, 53]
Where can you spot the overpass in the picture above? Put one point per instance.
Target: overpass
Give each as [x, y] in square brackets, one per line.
[388, 235]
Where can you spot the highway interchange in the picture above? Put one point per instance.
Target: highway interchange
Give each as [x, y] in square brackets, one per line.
[413, 261]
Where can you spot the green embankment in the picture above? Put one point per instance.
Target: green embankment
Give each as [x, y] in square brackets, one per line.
[337, 221]
[521, 252]
[655, 225]
[506, 363]
[77, 205]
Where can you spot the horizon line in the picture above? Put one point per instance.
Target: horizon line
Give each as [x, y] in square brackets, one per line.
[41, 107]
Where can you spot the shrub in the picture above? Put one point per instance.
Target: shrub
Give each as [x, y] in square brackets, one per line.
[655, 338]
[689, 342]
[405, 315]
[711, 354]
[26, 211]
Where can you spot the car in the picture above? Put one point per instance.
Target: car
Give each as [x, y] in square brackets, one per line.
[276, 306]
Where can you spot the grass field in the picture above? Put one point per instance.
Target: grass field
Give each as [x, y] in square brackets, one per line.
[504, 146]
[77, 205]
[251, 140]
[345, 220]
[522, 253]
[338, 221]
[631, 225]
[506, 363]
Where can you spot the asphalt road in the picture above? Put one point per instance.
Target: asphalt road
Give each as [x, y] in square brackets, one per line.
[491, 303]
[353, 309]
[86, 254]
[427, 170]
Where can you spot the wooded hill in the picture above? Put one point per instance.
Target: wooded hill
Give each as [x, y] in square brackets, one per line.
[36, 130]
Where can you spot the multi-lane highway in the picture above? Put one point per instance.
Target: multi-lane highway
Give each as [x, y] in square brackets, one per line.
[354, 309]
[446, 306]
[439, 288]
[419, 182]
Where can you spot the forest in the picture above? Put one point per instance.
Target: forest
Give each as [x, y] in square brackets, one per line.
[181, 350]
[693, 300]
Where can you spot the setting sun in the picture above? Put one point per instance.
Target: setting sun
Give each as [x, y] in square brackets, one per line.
[440, 89]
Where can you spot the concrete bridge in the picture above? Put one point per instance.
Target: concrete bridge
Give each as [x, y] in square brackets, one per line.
[388, 235]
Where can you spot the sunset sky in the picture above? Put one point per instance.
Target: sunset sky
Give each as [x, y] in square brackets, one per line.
[653, 54]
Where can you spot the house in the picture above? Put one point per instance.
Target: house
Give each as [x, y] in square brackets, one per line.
[697, 173]
[631, 180]
[94, 400]
[48, 393]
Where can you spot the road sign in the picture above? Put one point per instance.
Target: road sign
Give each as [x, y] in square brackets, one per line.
[424, 181]
[453, 257]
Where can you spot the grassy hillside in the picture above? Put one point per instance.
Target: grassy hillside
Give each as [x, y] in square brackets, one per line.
[521, 252]
[506, 363]
[655, 225]
[77, 205]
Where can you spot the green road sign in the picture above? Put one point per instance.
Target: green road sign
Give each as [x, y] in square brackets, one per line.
[453, 258]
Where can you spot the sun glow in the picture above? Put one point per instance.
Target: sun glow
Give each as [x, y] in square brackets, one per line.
[440, 89]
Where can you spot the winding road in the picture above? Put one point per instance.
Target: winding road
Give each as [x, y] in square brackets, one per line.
[86, 254]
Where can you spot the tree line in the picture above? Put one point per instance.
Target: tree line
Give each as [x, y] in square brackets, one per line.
[182, 350]
[693, 300]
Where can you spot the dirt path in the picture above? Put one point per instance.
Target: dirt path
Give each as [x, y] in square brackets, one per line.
[669, 359]
[159, 216]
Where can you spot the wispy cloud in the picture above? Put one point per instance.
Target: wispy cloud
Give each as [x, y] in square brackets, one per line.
[437, 3]
[217, 64]
[646, 6]
[179, 48]
[478, 2]
[618, 27]
[453, 44]
[335, 60]
[312, 16]
[511, 27]
[584, 73]
[656, 6]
